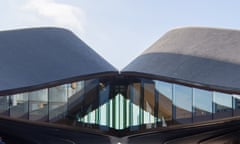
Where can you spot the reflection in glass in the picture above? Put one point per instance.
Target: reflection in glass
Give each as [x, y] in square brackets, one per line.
[118, 108]
[149, 104]
[236, 104]
[222, 105]
[111, 113]
[38, 105]
[57, 102]
[202, 103]
[129, 103]
[103, 108]
[135, 96]
[127, 116]
[74, 88]
[19, 106]
[75, 92]
[164, 92]
[4, 105]
[121, 111]
[183, 103]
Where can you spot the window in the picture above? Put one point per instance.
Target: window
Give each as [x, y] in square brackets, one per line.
[236, 104]
[202, 102]
[19, 106]
[149, 103]
[57, 102]
[4, 105]
[135, 114]
[103, 101]
[222, 105]
[164, 92]
[38, 105]
[183, 104]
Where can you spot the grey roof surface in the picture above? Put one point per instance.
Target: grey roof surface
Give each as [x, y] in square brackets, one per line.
[43, 55]
[200, 56]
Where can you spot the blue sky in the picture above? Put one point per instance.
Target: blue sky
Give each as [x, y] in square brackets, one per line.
[119, 30]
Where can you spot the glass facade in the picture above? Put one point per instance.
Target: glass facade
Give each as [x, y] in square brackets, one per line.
[120, 103]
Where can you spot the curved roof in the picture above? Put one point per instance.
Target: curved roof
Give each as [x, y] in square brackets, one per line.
[40, 56]
[206, 57]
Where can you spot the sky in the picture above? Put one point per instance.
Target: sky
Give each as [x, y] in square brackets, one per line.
[119, 30]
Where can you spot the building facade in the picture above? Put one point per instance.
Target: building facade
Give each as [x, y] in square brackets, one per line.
[189, 76]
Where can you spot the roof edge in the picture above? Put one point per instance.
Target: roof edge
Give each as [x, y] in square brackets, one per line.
[37, 28]
[57, 83]
[200, 27]
[183, 82]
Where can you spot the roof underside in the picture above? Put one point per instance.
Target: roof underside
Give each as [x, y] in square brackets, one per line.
[201, 56]
[39, 56]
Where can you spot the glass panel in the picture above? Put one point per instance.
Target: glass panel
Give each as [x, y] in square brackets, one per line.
[19, 106]
[202, 101]
[111, 113]
[121, 112]
[4, 105]
[116, 111]
[236, 104]
[89, 114]
[223, 105]
[103, 115]
[38, 105]
[183, 103]
[127, 112]
[74, 88]
[100, 114]
[164, 91]
[149, 104]
[75, 94]
[57, 102]
[135, 94]
[103, 102]
[88, 104]
[92, 117]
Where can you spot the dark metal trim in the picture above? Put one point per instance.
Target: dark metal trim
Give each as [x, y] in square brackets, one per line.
[56, 83]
